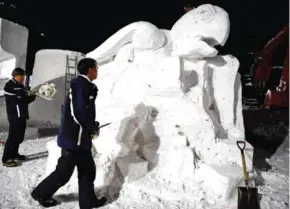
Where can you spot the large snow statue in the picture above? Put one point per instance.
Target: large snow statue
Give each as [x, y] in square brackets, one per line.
[175, 108]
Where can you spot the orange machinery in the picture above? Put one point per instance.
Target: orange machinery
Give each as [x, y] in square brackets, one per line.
[276, 96]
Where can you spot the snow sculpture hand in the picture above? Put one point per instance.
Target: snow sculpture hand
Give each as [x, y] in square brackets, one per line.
[47, 91]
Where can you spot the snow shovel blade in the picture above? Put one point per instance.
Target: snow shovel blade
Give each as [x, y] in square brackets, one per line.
[248, 198]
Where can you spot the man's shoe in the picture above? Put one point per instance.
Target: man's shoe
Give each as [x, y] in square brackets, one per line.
[20, 157]
[100, 202]
[45, 203]
[11, 163]
[48, 203]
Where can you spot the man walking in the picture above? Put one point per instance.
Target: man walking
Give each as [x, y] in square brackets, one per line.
[77, 129]
[17, 98]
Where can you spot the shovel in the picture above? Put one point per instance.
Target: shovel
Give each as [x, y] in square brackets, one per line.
[94, 136]
[247, 196]
[104, 125]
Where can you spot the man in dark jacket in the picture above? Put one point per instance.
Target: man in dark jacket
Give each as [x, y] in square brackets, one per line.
[77, 129]
[17, 98]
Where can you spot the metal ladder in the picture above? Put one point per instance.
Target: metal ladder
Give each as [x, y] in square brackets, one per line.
[249, 99]
[70, 73]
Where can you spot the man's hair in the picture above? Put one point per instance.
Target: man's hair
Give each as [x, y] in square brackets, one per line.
[18, 71]
[188, 6]
[85, 64]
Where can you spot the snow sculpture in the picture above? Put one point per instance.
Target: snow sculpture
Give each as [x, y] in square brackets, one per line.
[174, 103]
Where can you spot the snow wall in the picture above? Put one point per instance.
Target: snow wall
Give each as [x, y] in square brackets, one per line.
[50, 66]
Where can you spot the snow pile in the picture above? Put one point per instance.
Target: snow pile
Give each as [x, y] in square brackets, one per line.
[176, 113]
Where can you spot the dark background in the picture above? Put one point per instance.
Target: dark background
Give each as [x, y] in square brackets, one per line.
[84, 25]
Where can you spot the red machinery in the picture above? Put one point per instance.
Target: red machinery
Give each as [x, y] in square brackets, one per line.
[277, 95]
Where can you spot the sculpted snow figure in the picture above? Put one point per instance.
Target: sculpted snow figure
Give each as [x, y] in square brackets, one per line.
[192, 39]
[179, 73]
[175, 107]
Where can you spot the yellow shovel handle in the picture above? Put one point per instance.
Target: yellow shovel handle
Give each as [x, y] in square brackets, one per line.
[242, 145]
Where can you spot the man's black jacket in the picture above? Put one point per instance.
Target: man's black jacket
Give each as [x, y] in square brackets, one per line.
[17, 99]
[78, 116]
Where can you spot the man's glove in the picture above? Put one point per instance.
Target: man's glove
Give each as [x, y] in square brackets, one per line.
[97, 124]
[31, 93]
[96, 133]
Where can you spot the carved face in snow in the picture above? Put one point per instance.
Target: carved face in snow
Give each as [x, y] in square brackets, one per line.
[197, 32]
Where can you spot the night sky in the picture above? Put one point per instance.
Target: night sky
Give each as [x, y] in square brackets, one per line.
[84, 25]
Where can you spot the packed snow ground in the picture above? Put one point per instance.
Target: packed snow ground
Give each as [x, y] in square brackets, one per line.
[18, 182]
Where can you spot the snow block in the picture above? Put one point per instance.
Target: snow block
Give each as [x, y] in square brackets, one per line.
[13, 42]
[222, 180]
[230, 150]
[6, 68]
[31, 133]
[50, 66]
[13, 50]
[224, 151]
[132, 167]
[104, 169]
[149, 152]
[54, 152]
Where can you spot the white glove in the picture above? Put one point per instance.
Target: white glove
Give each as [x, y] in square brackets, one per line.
[30, 93]
[95, 134]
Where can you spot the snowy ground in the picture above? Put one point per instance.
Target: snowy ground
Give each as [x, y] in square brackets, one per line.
[272, 182]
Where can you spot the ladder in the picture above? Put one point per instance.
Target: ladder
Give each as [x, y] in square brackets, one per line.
[249, 93]
[70, 73]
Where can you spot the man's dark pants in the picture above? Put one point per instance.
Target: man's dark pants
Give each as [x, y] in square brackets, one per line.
[63, 172]
[16, 134]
